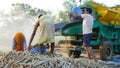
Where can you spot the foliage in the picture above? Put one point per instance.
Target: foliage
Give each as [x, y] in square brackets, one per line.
[63, 15]
[117, 5]
[26, 8]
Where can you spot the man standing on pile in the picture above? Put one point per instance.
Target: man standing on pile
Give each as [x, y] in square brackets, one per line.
[87, 30]
[46, 35]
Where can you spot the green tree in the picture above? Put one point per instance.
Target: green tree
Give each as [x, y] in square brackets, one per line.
[63, 15]
[19, 8]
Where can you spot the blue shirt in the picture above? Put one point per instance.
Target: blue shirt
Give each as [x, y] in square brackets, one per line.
[24, 44]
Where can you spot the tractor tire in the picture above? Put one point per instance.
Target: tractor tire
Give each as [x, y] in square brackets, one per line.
[74, 54]
[106, 51]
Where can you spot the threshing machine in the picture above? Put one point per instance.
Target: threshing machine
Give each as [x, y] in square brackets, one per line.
[106, 31]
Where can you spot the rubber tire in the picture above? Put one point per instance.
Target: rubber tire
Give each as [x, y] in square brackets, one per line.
[106, 51]
[75, 54]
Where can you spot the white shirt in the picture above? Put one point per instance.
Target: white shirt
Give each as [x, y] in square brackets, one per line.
[47, 30]
[87, 23]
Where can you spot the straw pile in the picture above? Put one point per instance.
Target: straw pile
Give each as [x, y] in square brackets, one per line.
[35, 60]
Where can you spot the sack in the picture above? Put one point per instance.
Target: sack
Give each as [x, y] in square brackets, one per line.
[36, 49]
[76, 10]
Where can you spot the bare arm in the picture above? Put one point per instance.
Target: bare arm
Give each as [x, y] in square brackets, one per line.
[33, 34]
[75, 15]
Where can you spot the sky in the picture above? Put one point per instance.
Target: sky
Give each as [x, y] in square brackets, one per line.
[108, 3]
[54, 5]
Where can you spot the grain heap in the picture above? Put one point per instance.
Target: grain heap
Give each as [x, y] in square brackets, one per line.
[34, 60]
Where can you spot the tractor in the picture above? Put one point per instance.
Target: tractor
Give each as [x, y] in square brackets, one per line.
[106, 31]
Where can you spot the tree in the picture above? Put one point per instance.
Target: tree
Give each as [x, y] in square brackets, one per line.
[26, 8]
[63, 15]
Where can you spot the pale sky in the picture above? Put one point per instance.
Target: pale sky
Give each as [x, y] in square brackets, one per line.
[108, 2]
[54, 5]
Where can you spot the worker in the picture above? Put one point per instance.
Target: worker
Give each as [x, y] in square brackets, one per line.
[46, 35]
[87, 30]
[19, 42]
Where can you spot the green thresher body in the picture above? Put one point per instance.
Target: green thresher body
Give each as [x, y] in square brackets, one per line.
[106, 30]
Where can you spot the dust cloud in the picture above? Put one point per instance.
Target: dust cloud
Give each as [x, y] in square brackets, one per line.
[10, 24]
